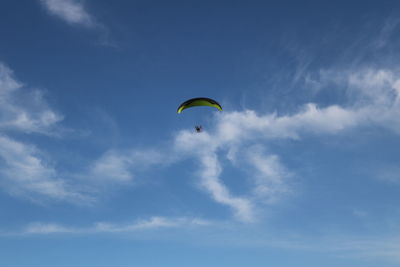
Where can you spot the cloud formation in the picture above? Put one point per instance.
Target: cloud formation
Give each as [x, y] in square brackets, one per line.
[241, 137]
[151, 223]
[372, 99]
[25, 173]
[118, 166]
[22, 109]
[23, 168]
[71, 11]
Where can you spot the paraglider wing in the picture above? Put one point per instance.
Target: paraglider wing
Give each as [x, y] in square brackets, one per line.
[199, 101]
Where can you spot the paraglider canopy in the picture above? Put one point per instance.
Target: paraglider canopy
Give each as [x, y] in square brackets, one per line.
[199, 101]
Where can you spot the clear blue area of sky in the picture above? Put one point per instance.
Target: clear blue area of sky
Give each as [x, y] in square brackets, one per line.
[117, 85]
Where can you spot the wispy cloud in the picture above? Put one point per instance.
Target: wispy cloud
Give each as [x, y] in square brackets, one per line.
[386, 248]
[387, 173]
[24, 109]
[119, 167]
[151, 223]
[206, 148]
[24, 170]
[366, 247]
[71, 11]
[372, 99]
[24, 167]
[270, 175]
[25, 173]
[386, 33]
[373, 94]
[246, 133]
[47, 228]
[211, 183]
[74, 12]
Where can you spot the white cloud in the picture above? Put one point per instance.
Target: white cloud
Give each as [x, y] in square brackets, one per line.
[211, 183]
[119, 166]
[151, 223]
[269, 180]
[387, 173]
[23, 110]
[373, 98]
[71, 11]
[270, 176]
[240, 126]
[7, 82]
[373, 94]
[111, 167]
[47, 228]
[25, 173]
[237, 133]
[24, 170]
[386, 33]
[367, 247]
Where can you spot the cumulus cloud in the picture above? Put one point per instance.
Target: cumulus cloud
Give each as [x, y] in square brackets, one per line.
[71, 11]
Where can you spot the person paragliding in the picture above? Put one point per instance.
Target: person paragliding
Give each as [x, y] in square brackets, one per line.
[198, 128]
[199, 101]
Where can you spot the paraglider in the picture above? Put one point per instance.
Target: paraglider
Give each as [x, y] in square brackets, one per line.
[199, 101]
[198, 128]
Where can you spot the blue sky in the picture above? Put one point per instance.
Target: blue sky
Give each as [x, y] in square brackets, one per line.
[301, 168]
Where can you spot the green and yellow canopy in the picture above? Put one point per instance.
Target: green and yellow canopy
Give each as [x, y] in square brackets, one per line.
[199, 101]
